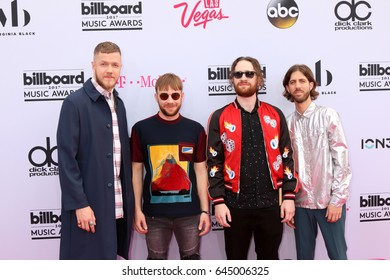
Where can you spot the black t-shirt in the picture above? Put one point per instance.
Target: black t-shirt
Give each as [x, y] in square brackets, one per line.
[168, 150]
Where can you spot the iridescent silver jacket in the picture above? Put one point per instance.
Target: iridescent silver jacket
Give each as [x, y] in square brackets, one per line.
[320, 156]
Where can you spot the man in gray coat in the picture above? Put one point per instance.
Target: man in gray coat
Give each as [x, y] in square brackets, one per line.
[94, 165]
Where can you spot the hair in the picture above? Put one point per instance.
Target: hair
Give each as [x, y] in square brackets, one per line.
[305, 70]
[106, 47]
[169, 80]
[256, 66]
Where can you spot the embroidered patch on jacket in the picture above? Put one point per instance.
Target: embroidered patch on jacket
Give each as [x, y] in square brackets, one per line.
[213, 152]
[276, 164]
[213, 170]
[285, 152]
[275, 142]
[230, 145]
[229, 126]
[288, 173]
[230, 172]
[270, 121]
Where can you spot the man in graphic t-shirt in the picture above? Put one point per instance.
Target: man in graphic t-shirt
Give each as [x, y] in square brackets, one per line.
[172, 198]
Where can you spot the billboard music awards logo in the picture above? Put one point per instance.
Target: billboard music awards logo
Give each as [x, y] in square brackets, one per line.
[374, 207]
[45, 224]
[219, 84]
[43, 160]
[203, 12]
[282, 13]
[14, 20]
[352, 15]
[374, 76]
[111, 15]
[51, 85]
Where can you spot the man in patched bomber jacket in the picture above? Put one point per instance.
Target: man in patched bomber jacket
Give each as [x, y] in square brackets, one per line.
[252, 182]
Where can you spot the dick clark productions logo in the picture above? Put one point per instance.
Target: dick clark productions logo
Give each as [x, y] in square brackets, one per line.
[353, 15]
[43, 160]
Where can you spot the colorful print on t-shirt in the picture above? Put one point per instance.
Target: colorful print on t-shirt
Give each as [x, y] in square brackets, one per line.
[170, 181]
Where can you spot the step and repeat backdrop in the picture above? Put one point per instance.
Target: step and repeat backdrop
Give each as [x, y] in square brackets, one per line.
[46, 53]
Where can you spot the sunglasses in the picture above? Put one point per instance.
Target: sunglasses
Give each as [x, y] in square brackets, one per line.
[248, 74]
[175, 96]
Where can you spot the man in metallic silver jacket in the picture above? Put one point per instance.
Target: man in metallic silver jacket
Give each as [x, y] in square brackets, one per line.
[321, 159]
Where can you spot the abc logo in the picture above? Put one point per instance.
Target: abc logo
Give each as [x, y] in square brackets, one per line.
[282, 13]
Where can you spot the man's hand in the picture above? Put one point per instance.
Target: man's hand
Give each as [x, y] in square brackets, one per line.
[333, 213]
[222, 214]
[86, 219]
[287, 212]
[204, 224]
[140, 222]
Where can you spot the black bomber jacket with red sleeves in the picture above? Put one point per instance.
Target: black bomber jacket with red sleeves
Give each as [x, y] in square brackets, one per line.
[224, 150]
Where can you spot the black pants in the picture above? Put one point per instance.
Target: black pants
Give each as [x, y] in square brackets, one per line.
[265, 226]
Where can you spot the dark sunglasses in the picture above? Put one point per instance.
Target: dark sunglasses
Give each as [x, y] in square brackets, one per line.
[175, 96]
[248, 74]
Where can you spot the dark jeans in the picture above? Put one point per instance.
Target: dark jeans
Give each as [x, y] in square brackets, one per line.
[160, 230]
[263, 224]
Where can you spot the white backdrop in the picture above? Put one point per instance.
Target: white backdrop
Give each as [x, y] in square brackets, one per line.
[45, 43]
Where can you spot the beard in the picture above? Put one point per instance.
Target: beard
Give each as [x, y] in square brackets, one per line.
[107, 85]
[170, 113]
[247, 91]
[302, 98]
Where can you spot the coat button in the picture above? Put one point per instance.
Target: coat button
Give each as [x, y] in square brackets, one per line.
[108, 125]
[109, 185]
[109, 155]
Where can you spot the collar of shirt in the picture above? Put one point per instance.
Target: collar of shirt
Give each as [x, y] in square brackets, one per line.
[102, 91]
[243, 110]
[309, 111]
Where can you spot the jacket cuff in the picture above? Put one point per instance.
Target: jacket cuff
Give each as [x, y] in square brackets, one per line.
[218, 200]
[289, 196]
